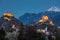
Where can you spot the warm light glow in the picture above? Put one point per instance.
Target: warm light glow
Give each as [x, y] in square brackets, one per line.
[13, 26]
[7, 18]
[8, 14]
[51, 23]
[40, 21]
[45, 17]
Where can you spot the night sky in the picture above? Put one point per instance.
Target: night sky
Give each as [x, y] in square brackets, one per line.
[19, 7]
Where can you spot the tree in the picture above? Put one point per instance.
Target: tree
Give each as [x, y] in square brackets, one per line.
[2, 34]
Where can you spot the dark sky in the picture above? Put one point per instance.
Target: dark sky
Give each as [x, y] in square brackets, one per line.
[19, 7]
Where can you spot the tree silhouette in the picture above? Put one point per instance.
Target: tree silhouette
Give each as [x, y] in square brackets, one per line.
[2, 34]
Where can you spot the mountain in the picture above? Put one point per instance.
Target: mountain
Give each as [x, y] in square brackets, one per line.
[31, 18]
[8, 22]
[45, 24]
[56, 9]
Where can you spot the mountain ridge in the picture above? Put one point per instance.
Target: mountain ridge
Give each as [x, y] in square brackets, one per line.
[54, 16]
[56, 9]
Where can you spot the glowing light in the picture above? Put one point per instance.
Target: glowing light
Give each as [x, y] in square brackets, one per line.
[40, 21]
[13, 26]
[45, 17]
[51, 23]
[7, 18]
[8, 14]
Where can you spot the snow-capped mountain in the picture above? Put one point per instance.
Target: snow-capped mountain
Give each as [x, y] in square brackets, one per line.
[56, 9]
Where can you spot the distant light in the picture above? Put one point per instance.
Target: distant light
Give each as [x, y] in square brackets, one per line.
[8, 14]
[45, 17]
[13, 26]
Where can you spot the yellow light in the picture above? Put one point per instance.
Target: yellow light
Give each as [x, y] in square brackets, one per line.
[45, 17]
[13, 26]
[40, 21]
[51, 23]
[8, 14]
[6, 18]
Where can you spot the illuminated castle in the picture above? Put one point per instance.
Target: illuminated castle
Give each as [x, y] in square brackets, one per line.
[45, 19]
[6, 15]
